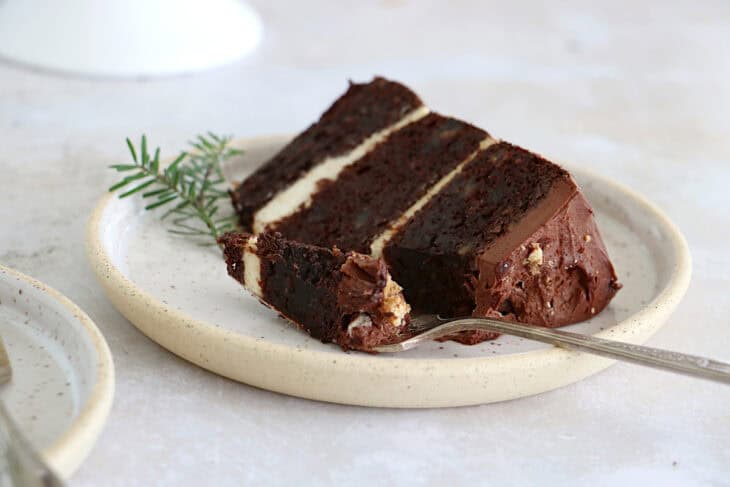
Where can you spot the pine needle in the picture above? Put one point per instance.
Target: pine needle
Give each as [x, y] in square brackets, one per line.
[194, 181]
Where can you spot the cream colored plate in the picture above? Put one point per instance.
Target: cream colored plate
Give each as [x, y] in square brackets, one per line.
[63, 375]
[180, 296]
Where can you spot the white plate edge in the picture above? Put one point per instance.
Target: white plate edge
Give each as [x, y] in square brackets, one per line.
[67, 453]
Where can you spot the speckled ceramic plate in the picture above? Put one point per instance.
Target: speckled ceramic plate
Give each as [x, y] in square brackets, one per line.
[180, 296]
[63, 375]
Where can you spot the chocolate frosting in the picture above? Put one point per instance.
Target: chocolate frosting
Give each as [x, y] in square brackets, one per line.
[572, 279]
[364, 289]
[559, 275]
[362, 284]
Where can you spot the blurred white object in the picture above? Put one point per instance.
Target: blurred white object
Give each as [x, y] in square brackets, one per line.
[127, 37]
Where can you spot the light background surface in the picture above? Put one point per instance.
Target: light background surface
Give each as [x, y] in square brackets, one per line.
[634, 91]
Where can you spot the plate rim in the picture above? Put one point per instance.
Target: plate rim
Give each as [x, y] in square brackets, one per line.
[66, 454]
[150, 316]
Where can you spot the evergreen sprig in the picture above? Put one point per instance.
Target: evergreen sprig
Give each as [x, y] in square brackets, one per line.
[191, 186]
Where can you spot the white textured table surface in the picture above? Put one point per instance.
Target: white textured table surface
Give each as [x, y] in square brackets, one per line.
[639, 93]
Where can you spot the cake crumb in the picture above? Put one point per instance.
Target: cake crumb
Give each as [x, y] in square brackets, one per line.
[593, 310]
[587, 238]
[464, 249]
[534, 259]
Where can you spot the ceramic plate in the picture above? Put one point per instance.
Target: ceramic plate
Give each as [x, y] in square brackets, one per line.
[180, 296]
[63, 375]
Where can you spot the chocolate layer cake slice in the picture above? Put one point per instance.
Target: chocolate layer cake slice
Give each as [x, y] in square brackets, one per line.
[346, 298]
[465, 223]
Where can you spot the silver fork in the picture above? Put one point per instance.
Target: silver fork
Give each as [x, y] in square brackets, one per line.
[431, 327]
[25, 467]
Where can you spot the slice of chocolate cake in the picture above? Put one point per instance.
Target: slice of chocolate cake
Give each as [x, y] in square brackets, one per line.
[466, 224]
[346, 298]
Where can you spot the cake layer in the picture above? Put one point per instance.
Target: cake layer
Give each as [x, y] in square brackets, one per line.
[362, 111]
[353, 210]
[347, 298]
[299, 194]
[395, 226]
[499, 217]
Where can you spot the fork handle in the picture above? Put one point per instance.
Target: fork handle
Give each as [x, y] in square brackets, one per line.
[25, 465]
[682, 363]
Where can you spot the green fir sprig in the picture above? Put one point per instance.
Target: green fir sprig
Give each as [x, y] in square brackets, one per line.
[191, 186]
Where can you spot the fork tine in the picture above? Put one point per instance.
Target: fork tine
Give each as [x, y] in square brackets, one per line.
[6, 370]
[391, 348]
[423, 322]
[420, 324]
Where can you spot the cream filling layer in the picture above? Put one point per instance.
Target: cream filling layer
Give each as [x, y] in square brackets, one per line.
[252, 268]
[362, 319]
[299, 194]
[376, 248]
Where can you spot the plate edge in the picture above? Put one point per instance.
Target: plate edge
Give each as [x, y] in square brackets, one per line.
[120, 289]
[67, 453]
